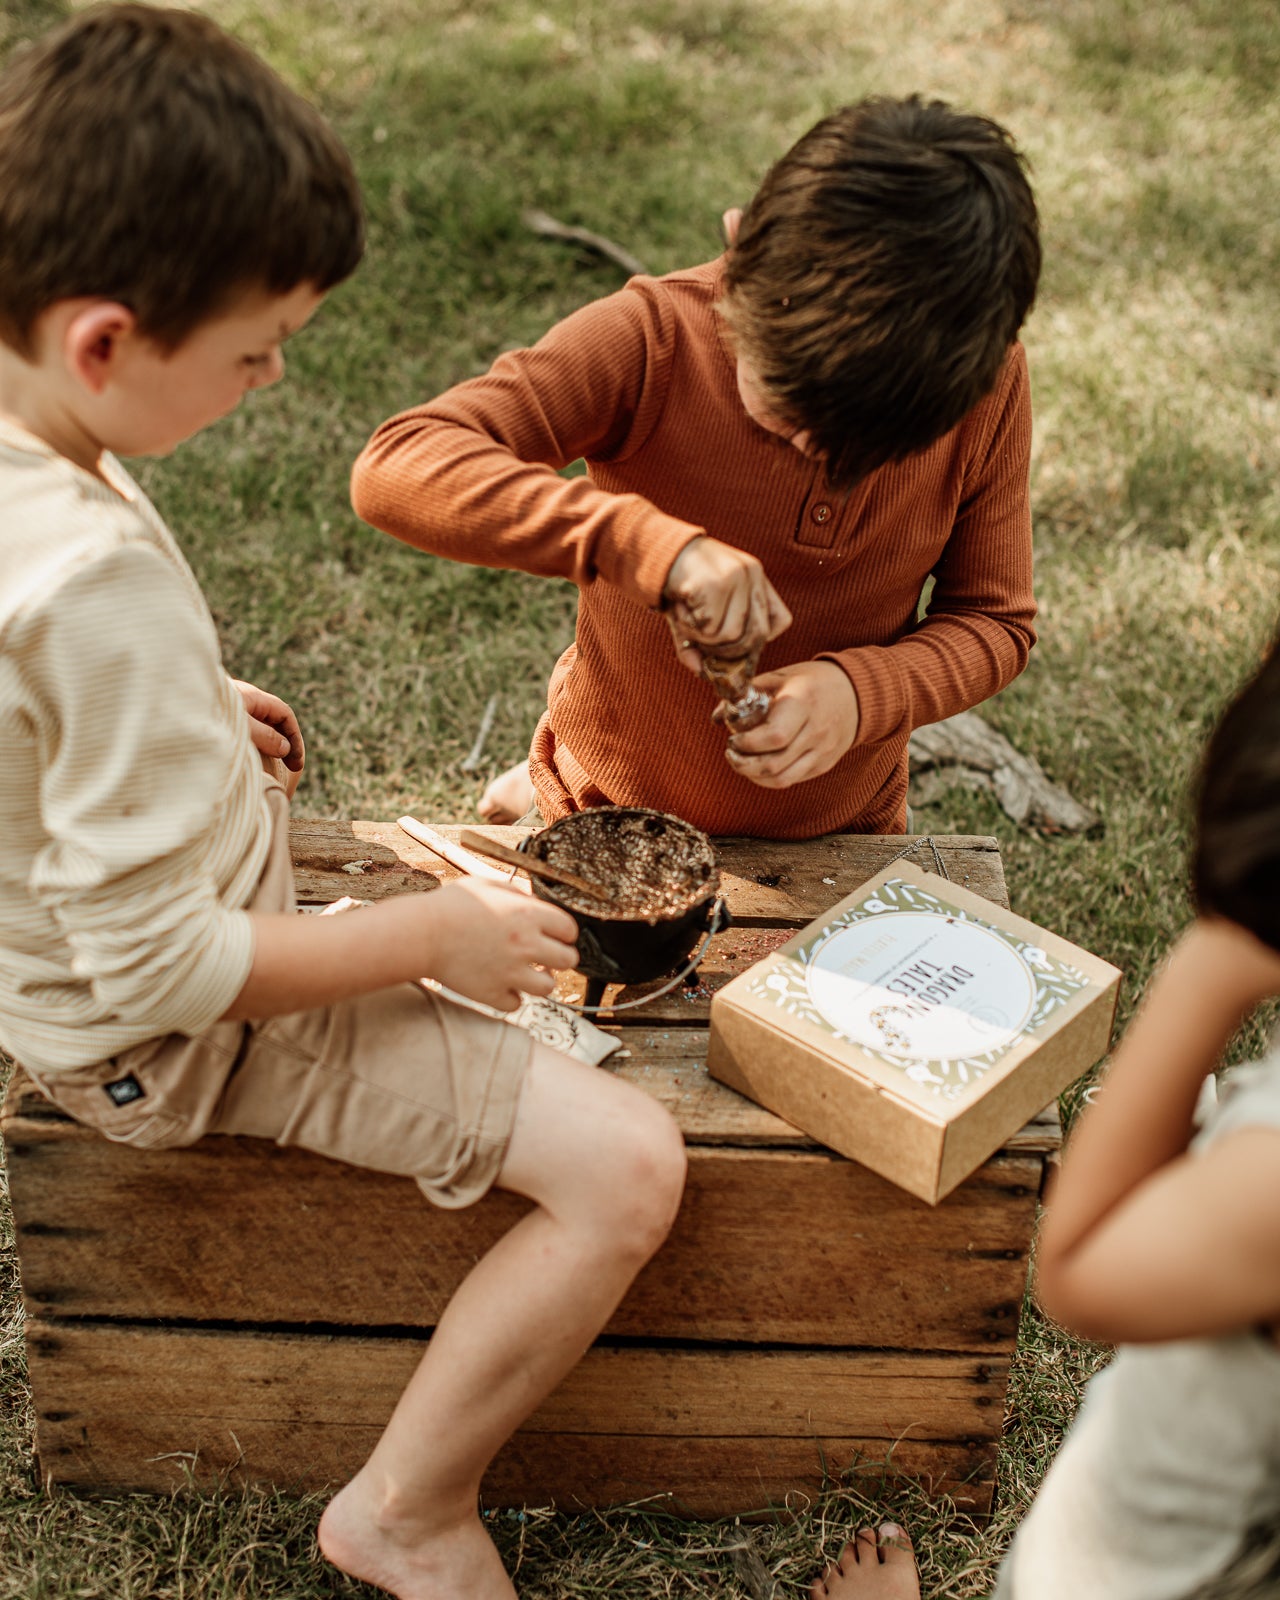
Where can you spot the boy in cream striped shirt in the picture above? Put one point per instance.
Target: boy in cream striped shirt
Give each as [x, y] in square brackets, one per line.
[169, 214]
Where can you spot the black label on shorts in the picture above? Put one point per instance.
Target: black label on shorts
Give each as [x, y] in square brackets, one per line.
[124, 1091]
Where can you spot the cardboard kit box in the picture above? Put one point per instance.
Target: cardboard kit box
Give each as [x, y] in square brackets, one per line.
[914, 1027]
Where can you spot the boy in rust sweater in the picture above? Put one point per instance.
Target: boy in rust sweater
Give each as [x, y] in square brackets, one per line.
[783, 446]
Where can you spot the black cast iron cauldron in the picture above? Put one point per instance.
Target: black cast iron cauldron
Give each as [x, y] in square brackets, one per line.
[660, 875]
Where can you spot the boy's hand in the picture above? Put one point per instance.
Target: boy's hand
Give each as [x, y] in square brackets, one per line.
[720, 601]
[812, 722]
[272, 726]
[499, 944]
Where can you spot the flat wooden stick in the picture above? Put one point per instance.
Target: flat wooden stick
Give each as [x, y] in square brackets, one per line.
[455, 855]
[531, 864]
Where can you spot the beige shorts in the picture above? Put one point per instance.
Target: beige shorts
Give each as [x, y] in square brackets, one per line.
[399, 1081]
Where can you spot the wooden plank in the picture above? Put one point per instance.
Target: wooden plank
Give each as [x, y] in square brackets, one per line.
[729, 1477]
[774, 881]
[305, 1410]
[689, 1477]
[344, 1381]
[766, 881]
[369, 860]
[671, 1065]
[771, 1246]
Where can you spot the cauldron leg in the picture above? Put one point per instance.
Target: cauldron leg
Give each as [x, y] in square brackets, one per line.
[595, 991]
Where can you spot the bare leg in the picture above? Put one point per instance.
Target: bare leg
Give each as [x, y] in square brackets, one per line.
[871, 1568]
[605, 1165]
[509, 797]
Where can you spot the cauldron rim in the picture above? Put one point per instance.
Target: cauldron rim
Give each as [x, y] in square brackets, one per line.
[706, 891]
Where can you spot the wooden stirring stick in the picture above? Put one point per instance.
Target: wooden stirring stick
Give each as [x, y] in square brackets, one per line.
[465, 861]
[528, 863]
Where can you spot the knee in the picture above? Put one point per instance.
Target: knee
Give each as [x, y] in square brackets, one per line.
[643, 1169]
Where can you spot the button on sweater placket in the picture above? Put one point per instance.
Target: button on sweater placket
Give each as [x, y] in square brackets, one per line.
[819, 516]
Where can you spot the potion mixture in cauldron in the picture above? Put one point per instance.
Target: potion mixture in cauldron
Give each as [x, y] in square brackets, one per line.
[648, 865]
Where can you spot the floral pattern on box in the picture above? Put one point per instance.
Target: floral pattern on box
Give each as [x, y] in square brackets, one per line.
[936, 992]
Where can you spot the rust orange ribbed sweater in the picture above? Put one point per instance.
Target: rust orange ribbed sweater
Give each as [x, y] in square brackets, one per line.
[642, 385]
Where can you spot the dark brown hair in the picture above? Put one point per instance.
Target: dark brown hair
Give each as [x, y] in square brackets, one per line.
[1236, 860]
[880, 274]
[148, 157]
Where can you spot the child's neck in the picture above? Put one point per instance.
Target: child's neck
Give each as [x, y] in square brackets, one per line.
[30, 401]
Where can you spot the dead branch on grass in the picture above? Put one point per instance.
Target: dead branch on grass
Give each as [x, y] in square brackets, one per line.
[540, 223]
[965, 750]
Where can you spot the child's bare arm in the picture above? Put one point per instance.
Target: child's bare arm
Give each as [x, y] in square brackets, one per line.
[1193, 1251]
[482, 939]
[1142, 1241]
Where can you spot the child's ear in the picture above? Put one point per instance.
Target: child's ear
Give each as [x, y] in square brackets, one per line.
[729, 224]
[93, 340]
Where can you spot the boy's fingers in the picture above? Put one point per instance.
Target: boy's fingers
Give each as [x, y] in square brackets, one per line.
[721, 622]
[777, 769]
[556, 923]
[779, 617]
[756, 630]
[777, 732]
[270, 741]
[559, 957]
[687, 652]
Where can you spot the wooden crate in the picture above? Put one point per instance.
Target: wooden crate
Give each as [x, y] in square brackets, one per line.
[240, 1312]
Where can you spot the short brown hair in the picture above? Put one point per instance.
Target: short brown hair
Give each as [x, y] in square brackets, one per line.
[880, 274]
[148, 157]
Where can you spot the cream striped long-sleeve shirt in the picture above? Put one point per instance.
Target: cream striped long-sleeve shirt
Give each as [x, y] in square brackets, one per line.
[133, 815]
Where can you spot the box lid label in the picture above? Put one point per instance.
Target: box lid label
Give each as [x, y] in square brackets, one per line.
[923, 986]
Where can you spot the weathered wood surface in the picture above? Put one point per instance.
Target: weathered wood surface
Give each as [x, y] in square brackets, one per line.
[803, 1310]
[765, 881]
[671, 1065]
[771, 1246]
[140, 1406]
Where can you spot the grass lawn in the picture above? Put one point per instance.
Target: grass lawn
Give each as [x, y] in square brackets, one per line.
[1154, 135]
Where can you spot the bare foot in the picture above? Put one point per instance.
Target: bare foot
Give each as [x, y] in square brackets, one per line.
[509, 797]
[871, 1568]
[453, 1563]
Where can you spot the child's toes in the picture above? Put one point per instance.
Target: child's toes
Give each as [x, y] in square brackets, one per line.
[832, 1573]
[875, 1566]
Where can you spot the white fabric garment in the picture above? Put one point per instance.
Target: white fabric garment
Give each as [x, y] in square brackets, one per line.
[1172, 1468]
